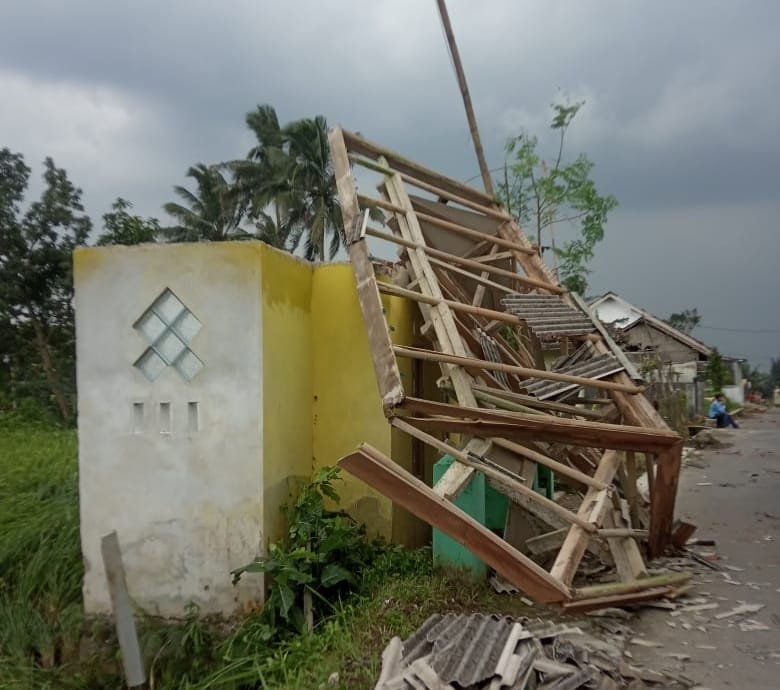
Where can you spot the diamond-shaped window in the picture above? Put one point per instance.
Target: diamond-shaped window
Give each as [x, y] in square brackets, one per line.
[169, 328]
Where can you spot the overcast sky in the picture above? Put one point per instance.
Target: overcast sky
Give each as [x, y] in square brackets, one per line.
[680, 117]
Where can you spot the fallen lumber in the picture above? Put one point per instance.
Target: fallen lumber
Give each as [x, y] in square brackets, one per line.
[381, 473]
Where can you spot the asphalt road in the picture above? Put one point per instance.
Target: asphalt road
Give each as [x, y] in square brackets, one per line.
[733, 495]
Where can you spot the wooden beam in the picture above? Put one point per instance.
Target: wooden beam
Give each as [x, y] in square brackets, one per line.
[501, 480]
[457, 475]
[616, 600]
[356, 143]
[472, 276]
[613, 588]
[592, 509]
[625, 552]
[554, 465]
[388, 376]
[479, 293]
[386, 369]
[530, 401]
[433, 356]
[663, 499]
[390, 289]
[454, 258]
[479, 421]
[471, 233]
[381, 473]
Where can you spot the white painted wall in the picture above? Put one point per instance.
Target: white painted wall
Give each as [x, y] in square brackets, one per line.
[186, 503]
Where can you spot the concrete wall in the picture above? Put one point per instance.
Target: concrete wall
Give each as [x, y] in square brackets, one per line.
[644, 336]
[285, 386]
[186, 499]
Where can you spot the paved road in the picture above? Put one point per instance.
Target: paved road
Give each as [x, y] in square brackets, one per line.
[733, 495]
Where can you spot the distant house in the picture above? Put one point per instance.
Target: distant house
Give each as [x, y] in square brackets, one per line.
[644, 336]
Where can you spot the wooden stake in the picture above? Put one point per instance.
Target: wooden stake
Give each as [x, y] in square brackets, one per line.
[132, 659]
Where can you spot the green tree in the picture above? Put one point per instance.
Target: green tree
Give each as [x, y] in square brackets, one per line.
[36, 281]
[716, 371]
[540, 194]
[122, 227]
[211, 213]
[685, 320]
[287, 185]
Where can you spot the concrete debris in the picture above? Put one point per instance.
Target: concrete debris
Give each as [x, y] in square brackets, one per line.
[484, 652]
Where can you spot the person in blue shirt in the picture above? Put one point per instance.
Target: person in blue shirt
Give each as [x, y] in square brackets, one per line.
[718, 412]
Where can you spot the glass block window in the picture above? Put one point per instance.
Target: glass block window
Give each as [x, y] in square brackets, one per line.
[168, 327]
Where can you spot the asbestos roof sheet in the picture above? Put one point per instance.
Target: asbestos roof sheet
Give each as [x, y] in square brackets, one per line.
[594, 368]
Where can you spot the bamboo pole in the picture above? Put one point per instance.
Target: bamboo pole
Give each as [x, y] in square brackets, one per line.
[464, 92]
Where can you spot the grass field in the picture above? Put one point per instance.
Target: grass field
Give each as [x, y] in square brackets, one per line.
[46, 643]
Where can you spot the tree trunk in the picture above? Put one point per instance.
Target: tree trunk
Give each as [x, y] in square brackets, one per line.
[51, 373]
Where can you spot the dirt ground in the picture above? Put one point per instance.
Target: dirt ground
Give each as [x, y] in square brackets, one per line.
[733, 495]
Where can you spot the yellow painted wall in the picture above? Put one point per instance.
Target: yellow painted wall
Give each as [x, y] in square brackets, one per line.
[347, 406]
[287, 383]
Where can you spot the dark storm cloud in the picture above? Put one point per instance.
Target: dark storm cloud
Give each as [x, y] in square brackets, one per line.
[680, 115]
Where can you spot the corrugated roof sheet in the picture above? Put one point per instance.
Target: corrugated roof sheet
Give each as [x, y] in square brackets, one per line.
[548, 316]
[594, 368]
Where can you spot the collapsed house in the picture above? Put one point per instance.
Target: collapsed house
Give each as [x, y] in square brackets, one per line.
[492, 313]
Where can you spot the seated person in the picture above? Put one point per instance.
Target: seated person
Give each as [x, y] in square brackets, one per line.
[718, 412]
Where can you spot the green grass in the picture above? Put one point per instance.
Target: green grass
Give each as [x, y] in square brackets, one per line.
[40, 560]
[46, 643]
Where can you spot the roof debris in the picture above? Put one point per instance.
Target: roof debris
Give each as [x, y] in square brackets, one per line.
[487, 652]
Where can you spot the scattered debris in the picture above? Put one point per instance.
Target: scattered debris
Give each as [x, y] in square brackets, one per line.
[489, 653]
[740, 610]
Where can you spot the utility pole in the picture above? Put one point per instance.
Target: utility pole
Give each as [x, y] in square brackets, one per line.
[464, 90]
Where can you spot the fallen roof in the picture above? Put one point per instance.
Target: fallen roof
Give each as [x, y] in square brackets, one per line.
[487, 304]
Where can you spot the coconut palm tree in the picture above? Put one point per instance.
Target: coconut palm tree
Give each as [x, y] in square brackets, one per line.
[211, 213]
[286, 183]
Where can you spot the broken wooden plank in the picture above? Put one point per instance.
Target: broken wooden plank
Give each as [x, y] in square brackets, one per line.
[380, 472]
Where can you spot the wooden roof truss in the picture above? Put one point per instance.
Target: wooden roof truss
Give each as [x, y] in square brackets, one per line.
[489, 305]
